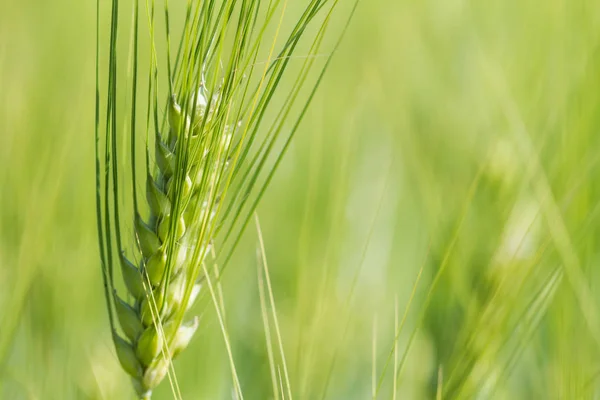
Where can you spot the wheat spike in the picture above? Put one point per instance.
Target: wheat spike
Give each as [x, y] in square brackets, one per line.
[168, 280]
[209, 151]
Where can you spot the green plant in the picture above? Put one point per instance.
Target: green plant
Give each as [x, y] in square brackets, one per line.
[203, 178]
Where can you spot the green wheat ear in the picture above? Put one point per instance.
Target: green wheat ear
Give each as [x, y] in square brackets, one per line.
[204, 156]
[165, 303]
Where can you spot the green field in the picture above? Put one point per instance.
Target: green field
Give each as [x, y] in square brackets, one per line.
[443, 189]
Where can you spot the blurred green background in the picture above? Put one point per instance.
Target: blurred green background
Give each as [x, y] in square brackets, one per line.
[457, 138]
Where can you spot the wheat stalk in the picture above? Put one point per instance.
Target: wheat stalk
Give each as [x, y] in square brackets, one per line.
[208, 151]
